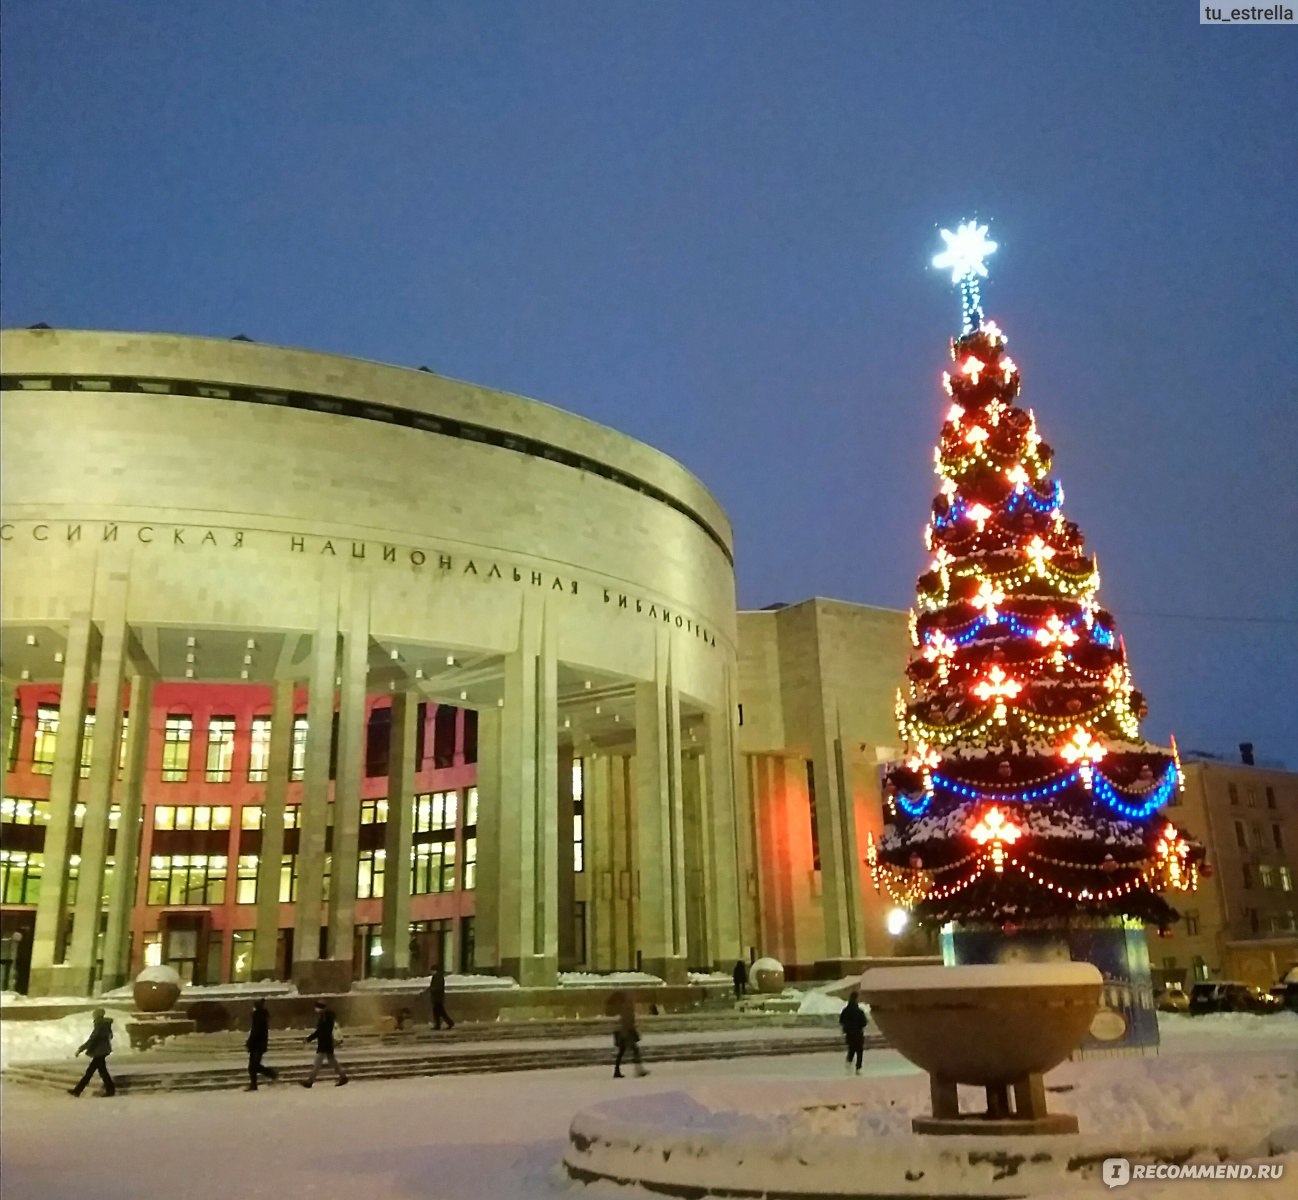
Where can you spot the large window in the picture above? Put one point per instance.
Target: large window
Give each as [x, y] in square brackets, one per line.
[184, 816]
[47, 738]
[177, 734]
[288, 878]
[444, 735]
[297, 769]
[245, 883]
[369, 874]
[187, 879]
[374, 812]
[432, 867]
[14, 810]
[578, 818]
[87, 742]
[435, 812]
[1266, 875]
[1191, 924]
[259, 750]
[220, 749]
[1284, 879]
[469, 876]
[20, 876]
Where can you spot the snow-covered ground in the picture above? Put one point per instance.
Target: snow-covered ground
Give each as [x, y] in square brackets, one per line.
[502, 1136]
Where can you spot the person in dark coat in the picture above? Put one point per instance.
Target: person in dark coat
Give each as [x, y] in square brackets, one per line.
[437, 994]
[258, 1040]
[740, 975]
[627, 1038]
[323, 1036]
[853, 1021]
[98, 1046]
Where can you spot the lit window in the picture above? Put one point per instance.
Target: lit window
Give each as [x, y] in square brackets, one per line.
[470, 863]
[298, 770]
[245, 887]
[578, 817]
[16, 733]
[121, 746]
[220, 749]
[259, 750]
[87, 742]
[178, 879]
[164, 817]
[471, 807]
[1266, 875]
[175, 748]
[47, 737]
[1284, 877]
[432, 867]
[369, 874]
[288, 878]
[20, 876]
[250, 816]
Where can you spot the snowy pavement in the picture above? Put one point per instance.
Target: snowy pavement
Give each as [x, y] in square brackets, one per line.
[501, 1137]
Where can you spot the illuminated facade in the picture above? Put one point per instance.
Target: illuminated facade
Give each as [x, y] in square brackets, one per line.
[374, 616]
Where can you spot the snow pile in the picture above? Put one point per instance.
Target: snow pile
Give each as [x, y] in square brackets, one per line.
[1283, 1026]
[37, 1041]
[587, 979]
[454, 983]
[709, 977]
[820, 1003]
[819, 1137]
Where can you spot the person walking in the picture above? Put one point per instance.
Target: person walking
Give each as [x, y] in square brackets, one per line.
[853, 1021]
[437, 994]
[323, 1036]
[98, 1046]
[258, 1041]
[627, 1038]
[740, 976]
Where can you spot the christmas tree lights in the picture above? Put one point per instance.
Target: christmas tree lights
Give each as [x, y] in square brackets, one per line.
[1027, 792]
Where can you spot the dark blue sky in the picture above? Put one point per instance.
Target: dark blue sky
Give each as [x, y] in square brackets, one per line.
[708, 225]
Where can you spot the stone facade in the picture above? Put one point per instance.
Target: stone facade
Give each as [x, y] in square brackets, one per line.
[179, 508]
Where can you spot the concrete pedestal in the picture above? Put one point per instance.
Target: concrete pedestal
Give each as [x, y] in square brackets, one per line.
[323, 976]
[534, 970]
[669, 970]
[60, 980]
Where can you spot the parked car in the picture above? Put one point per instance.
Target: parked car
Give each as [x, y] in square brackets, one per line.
[1263, 1001]
[1220, 996]
[1172, 998]
[1286, 995]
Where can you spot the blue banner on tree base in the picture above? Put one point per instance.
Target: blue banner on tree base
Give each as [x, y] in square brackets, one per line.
[1127, 1022]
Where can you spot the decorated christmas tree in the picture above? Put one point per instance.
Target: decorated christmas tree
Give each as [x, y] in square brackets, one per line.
[1028, 794]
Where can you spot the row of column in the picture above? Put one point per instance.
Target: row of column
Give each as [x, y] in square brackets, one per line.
[662, 845]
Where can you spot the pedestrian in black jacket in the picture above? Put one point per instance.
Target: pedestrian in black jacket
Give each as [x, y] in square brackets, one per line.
[323, 1036]
[258, 1040]
[740, 976]
[99, 1045]
[437, 994]
[853, 1021]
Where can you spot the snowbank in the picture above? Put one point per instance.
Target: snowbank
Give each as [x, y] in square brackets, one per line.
[822, 1137]
[454, 983]
[587, 979]
[36, 1041]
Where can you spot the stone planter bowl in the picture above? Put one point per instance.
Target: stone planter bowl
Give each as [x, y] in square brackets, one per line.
[984, 1025]
[156, 990]
[767, 976]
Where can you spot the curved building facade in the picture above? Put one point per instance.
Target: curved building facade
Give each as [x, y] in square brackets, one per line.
[374, 617]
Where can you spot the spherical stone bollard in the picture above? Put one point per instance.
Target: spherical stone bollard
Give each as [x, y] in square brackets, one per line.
[156, 989]
[767, 976]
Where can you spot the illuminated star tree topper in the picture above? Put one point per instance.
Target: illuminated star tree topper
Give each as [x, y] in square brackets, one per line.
[965, 254]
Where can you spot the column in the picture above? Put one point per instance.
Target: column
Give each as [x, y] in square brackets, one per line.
[840, 897]
[351, 771]
[105, 743]
[727, 882]
[265, 947]
[486, 898]
[599, 869]
[130, 830]
[566, 883]
[47, 940]
[314, 818]
[698, 856]
[660, 823]
[8, 699]
[528, 928]
[395, 963]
